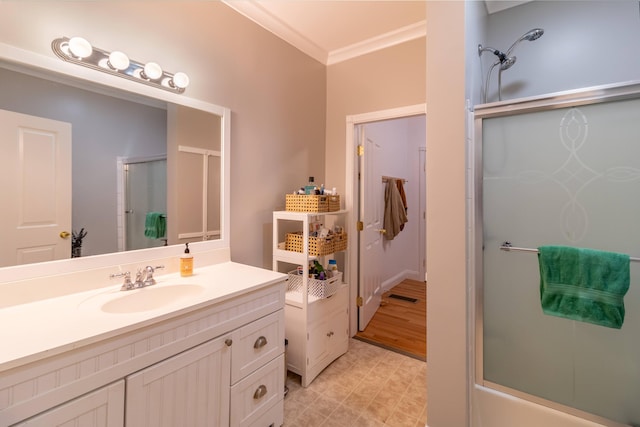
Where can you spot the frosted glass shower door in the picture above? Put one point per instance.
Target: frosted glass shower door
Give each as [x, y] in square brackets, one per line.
[145, 191]
[568, 176]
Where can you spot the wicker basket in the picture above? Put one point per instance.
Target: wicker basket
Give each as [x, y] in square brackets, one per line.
[334, 203]
[339, 242]
[317, 246]
[311, 203]
[315, 287]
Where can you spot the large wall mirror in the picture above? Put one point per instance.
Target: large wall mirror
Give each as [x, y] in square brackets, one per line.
[144, 170]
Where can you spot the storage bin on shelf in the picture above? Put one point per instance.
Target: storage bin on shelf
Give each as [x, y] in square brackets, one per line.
[312, 203]
[317, 288]
[339, 242]
[318, 246]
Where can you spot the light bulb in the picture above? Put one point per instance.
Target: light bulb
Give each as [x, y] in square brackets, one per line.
[179, 80]
[118, 61]
[152, 71]
[79, 47]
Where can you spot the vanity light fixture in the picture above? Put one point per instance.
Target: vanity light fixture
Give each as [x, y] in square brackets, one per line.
[79, 51]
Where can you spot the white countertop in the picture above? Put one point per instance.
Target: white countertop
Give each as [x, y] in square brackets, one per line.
[44, 328]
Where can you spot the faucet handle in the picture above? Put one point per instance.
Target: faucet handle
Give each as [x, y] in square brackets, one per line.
[126, 283]
[148, 274]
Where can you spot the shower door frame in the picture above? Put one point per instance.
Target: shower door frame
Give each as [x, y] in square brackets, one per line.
[122, 196]
[574, 98]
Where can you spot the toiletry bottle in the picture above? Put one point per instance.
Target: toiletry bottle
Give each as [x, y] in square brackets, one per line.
[310, 188]
[333, 268]
[186, 262]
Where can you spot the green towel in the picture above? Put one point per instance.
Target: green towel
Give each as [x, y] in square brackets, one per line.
[583, 284]
[155, 225]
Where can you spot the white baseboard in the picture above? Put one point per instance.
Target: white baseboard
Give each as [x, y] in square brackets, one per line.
[398, 278]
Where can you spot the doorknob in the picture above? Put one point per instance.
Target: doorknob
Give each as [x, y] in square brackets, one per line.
[64, 234]
[381, 230]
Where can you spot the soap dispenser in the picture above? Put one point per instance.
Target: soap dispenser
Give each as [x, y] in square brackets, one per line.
[186, 262]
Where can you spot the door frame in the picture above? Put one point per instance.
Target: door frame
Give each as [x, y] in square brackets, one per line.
[351, 191]
[121, 202]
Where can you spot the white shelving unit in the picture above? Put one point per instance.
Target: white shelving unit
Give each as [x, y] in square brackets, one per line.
[317, 329]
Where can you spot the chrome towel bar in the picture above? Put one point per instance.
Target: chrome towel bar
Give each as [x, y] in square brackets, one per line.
[506, 246]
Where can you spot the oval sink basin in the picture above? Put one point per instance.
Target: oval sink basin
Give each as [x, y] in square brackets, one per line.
[150, 298]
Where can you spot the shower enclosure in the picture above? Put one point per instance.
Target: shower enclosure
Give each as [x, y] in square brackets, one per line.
[562, 169]
[143, 190]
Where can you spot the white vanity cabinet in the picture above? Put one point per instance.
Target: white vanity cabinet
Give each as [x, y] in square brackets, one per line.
[316, 328]
[218, 364]
[328, 332]
[101, 408]
[190, 389]
[232, 380]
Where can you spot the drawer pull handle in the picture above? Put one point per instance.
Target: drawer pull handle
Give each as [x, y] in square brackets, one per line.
[228, 342]
[260, 342]
[260, 392]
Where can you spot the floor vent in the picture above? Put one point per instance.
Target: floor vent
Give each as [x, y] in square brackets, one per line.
[403, 298]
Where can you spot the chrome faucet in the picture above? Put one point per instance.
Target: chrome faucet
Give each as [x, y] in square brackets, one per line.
[127, 284]
[144, 278]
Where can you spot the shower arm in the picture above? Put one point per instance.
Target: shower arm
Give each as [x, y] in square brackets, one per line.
[513, 46]
[488, 80]
[502, 57]
[500, 84]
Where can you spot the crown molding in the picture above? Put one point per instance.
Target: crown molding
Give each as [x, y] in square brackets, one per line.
[392, 38]
[273, 24]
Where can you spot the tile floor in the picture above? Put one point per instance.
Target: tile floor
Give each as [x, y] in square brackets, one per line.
[368, 386]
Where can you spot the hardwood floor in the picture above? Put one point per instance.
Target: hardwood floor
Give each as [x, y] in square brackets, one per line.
[401, 325]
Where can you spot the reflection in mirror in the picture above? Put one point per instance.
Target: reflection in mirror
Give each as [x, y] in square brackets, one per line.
[123, 145]
[142, 201]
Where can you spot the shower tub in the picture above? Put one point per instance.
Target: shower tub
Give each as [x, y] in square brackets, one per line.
[562, 169]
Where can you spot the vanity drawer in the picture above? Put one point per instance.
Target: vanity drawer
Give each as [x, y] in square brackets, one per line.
[273, 417]
[255, 395]
[256, 344]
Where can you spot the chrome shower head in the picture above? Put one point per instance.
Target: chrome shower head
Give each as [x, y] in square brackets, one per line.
[505, 60]
[530, 35]
[507, 63]
[534, 34]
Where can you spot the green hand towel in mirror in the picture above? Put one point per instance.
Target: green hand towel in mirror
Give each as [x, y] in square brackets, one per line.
[155, 225]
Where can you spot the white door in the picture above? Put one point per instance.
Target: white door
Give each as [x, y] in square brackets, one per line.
[370, 238]
[35, 186]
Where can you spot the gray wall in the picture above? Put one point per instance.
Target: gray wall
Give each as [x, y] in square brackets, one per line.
[103, 128]
[586, 43]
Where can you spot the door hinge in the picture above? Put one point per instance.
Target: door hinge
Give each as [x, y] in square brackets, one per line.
[359, 302]
[360, 150]
[360, 225]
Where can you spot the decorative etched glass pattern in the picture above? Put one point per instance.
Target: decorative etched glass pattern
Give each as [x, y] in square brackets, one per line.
[567, 176]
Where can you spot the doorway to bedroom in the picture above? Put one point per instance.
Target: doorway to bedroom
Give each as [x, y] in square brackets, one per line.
[391, 266]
